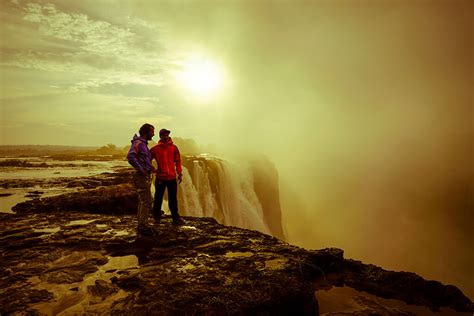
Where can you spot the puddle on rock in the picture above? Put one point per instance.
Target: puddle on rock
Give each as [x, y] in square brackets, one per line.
[346, 300]
[275, 264]
[51, 230]
[117, 233]
[188, 227]
[188, 266]
[237, 254]
[214, 243]
[80, 222]
[75, 298]
[121, 263]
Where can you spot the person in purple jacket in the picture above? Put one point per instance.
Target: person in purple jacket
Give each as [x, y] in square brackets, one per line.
[139, 157]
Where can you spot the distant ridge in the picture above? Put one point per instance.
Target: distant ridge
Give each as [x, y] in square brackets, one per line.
[48, 147]
[7, 150]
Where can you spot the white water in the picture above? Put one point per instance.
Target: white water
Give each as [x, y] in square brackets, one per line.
[239, 204]
[203, 187]
[192, 205]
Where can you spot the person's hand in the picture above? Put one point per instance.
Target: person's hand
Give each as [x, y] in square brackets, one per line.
[180, 178]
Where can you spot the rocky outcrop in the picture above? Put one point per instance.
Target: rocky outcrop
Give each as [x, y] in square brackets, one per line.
[211, 187]
[80, 263]
[119, 176]
[78, 253]
[115, 199]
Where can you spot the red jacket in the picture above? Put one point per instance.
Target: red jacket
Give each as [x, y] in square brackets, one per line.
[166, 156]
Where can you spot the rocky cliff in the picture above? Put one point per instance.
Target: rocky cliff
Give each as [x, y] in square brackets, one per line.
[78, 253]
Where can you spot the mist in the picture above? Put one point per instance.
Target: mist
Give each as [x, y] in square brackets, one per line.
[364, 107]
[366, 111]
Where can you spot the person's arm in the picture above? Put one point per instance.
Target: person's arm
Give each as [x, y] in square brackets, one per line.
[153, 156]
[132, 157]
[177, 161]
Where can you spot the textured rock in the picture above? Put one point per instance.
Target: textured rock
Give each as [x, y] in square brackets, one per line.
[92, 263]
[122, 175]
[116, 199]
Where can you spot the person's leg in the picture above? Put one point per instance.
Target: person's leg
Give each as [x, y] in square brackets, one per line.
[142, 184]
[173, 198]
[160, 186]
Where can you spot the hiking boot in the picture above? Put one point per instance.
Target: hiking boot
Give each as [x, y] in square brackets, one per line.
[178, 221]
[145, 231]
[157, 215]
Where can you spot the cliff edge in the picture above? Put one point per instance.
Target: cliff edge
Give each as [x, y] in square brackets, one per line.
[62, 259]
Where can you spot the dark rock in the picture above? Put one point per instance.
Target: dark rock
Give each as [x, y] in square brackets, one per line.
[36, 192]
[85, 183]
[118, 199]
[200, 268]
[122, 175]
[11, 302]
[16, 163]
[102, 289]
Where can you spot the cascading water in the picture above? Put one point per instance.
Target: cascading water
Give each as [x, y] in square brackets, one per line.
[223, 190]
[203, 187]
[191, 202]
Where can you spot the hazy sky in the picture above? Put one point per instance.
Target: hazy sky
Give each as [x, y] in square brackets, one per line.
[91, 72]
[364, 106]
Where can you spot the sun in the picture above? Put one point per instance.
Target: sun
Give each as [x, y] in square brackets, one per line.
[200, 76]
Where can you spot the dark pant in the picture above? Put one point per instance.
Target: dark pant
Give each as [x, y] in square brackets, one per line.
[142, 184]
[160, 186]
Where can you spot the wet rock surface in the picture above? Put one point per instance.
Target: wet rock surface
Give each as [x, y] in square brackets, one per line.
[115, 199]
[83, 263]
[119, 176]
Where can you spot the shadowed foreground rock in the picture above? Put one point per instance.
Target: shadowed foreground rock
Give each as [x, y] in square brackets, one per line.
[115, 199]
[94, 263]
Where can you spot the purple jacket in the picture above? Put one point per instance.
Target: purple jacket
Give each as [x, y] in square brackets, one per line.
[139, 155]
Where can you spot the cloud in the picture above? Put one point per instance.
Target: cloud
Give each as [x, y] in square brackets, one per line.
[96, 52]
[98, 37]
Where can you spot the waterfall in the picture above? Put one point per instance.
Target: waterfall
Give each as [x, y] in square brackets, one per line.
[222, 190]
[191, 201]
[203, 187]
[240, 205]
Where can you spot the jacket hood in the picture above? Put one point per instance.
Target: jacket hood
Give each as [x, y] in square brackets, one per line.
[136, 137]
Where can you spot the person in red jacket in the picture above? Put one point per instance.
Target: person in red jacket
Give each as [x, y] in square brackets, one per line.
[168, 160]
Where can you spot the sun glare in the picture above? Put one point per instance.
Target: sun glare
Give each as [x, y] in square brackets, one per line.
[200, 76]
